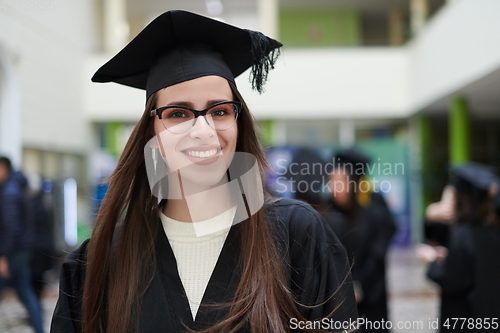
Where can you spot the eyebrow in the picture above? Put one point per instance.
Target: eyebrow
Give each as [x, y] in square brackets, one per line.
[190, 105]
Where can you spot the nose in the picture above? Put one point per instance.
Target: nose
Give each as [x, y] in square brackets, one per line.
[201, 130]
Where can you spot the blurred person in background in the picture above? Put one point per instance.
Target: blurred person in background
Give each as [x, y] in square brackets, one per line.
[496, 201]
[306, 175]
[468, 270]
[365, 226]
[439, 216]
[16, 240]
[43, 247]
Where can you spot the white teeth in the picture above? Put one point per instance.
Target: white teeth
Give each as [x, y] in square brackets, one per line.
[202, 154]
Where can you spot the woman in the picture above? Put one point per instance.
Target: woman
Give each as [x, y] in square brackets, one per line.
[365, 226]
[194, 157]
[468, 270]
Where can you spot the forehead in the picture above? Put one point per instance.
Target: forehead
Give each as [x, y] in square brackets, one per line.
[197, 91]
[4, 172]
[339, 175]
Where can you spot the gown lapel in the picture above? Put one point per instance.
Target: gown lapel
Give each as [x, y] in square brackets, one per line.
[172, 284]
[222, 283]
[220, 288]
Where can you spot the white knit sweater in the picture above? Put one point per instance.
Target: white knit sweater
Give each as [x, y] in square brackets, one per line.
[196, 248]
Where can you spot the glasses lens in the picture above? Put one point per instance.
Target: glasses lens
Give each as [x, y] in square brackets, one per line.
[180, 120]
[177, 120]
[222, 116]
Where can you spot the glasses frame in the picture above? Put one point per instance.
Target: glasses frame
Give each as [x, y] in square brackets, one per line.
[197, 113]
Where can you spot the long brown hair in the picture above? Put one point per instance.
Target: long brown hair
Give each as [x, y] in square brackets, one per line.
[116, 269]
[472, 208]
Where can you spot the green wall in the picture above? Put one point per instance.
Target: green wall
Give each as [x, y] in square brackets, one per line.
[459, 131]
[329, 27]
[266, 132]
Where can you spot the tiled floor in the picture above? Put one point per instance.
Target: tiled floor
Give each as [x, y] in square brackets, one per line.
[413, 301]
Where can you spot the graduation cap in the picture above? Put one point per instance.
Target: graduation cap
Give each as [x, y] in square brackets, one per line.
[474, 179]
[179, 46]
[351, 160]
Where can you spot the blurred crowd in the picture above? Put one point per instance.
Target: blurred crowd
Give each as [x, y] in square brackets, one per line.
[26, 246]
[461, 243]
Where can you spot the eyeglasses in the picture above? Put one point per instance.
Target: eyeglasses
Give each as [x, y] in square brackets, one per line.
[180, 119]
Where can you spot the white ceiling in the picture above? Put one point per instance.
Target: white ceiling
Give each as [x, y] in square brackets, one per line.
[483, 96]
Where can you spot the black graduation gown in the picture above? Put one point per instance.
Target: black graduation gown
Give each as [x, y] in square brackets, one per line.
[486, 296]
[366, 240]
[315, 260]
[469, 278]
[436, 233]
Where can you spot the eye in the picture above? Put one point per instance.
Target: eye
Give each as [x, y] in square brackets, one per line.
[224, 110]
[220, 112]
[175, 113]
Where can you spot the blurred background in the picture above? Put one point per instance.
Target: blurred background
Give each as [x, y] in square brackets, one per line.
[412, 83]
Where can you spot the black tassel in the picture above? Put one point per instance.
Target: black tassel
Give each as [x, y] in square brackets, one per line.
[265, 51]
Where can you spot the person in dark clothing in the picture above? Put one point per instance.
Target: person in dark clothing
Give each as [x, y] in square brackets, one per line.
[306, 174]
[496, 202]
[438, 216]
[365, 226]
[15, 241]
[469, 271]
[44, 252]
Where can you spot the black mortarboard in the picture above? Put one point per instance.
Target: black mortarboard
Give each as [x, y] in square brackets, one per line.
[178, 46]
[474, 179]
[352, 160]
[474, 175]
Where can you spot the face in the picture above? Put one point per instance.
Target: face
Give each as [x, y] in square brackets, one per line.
[341, 188]
[4, 173]
[202, 155]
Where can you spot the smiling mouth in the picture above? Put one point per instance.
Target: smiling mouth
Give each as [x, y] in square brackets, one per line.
[202, 153]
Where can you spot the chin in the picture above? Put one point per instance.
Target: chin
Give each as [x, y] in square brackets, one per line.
[196, 178]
